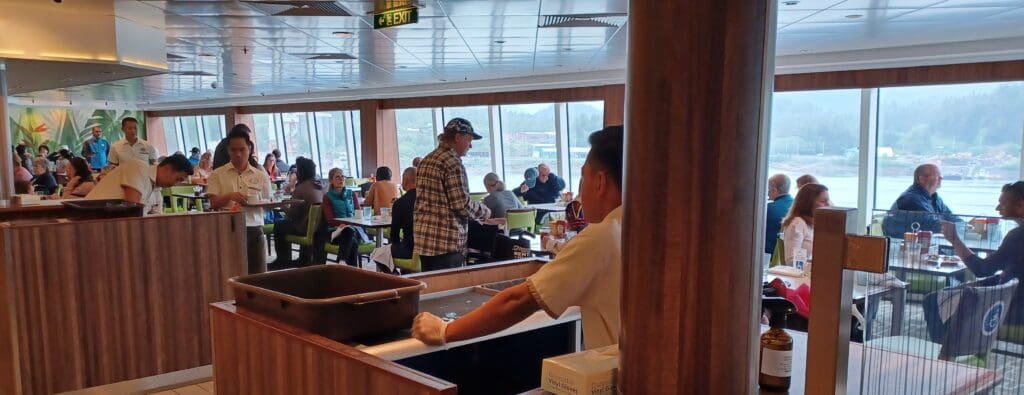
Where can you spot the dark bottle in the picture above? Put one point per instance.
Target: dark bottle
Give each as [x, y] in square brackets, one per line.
[776, 361]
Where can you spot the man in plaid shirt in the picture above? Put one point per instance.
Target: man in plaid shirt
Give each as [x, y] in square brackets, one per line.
[443, 206]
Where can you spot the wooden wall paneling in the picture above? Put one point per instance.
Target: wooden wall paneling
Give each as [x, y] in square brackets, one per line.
[155, 133]
[301, 107]
[535, 96]
[379, 138]
[614, 105]
[255, 355]
[903, 76]
[693, 117]
[97, 302]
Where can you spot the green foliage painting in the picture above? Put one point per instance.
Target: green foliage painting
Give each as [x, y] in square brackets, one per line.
[57, 126]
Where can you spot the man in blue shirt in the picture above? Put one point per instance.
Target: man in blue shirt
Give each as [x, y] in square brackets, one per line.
[920, 203]
[781, 200]
[95, 150]
[1009, 257]
[194, 158]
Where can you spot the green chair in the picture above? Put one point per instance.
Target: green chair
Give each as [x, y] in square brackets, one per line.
[1011, 333]
[521, 219]
[306, 241]
[177, 204]
[778, 253]
[478, 196]
[180, 204]
[411, 265]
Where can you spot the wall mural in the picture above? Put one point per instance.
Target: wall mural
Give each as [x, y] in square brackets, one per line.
[57, 126]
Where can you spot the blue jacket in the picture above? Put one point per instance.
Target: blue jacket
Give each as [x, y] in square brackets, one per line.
[777, 210]
[916, 205]
[543, 192]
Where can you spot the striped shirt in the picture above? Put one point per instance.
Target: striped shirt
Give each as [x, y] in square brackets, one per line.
[443, 206]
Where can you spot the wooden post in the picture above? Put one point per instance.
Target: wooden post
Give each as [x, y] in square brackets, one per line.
[697, 82]
[828, 340]
[379, 140]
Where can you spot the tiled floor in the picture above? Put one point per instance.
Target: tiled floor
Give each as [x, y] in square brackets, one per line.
[195, 389]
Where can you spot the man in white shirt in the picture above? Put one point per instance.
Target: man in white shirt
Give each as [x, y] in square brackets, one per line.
[237, 182]
[135, 181]
[131, 147]
[586, 273]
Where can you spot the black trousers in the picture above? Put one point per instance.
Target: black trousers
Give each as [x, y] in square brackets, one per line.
[443, 261]
[283, 249]
[348, 246]
[255, 248]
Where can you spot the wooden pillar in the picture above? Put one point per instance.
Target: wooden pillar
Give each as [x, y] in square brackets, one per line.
[155, 133]
[614, 105]
[697, 83]
[379, 138]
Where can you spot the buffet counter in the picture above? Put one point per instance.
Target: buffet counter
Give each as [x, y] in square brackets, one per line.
[85, 303]
[257, 354]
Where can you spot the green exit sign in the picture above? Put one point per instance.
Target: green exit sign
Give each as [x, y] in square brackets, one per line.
[395, 17]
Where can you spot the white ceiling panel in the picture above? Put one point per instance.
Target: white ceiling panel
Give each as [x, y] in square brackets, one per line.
[251, 53]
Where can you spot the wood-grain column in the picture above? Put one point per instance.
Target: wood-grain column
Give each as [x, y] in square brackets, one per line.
[697, 76]
[379, 138]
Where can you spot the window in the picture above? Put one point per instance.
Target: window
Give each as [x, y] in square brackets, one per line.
[416, 136]
[295, 129]
[478, 160]
[332, 131]
[213, 131]
[357, 141]
[583, 118]
[527, 139]
[171, 143]
[265, 131]
[972, 132]
[190, 134]
[818, 133]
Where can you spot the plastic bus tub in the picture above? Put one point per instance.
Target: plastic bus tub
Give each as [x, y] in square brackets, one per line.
[339, 302]
[106, 208]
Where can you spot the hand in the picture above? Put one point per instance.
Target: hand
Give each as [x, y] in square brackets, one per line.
[523, 188]
[949, 230]
[429, 329]
[237, 197]
[495, 221]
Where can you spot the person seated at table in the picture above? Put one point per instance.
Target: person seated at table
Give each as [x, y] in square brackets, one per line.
[44, 152]
[586, 273]
[193, 158]
[80, 181]
[24, 188]
[280, 164]
[205, 168]
[44, 181]
[135, 181]
[1008, 259]
[383, 192]
[289, 185]
[401, 217]
[270, 166]
[416, 161]
[338, 201]
[799, 222]
[498, 198]
[781, 200]
[63, 157]
[308, 191]
[237, 182]
[541, 185]
[920, 203]
[20, 172]
[806, 179]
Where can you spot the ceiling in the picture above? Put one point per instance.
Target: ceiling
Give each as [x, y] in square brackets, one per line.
[243, 54]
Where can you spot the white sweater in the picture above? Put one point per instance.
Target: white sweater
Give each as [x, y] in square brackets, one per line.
[797, 235]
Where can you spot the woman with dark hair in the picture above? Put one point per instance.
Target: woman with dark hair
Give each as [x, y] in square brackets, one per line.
[270, 165]
[798, 226]
[80, 181]
[382, 194]
[310, 192]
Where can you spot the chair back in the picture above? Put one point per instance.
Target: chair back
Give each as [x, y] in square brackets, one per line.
[777, 253]
[411, 265]
[974, 326]
[313, 220]
[521, 219]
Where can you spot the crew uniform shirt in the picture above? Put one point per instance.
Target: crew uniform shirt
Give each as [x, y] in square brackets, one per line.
[123, 151]
[587, 273]
[133, 174]
[443, 206]
[227, 179]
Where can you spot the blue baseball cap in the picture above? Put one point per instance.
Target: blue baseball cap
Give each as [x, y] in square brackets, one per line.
[531, 175]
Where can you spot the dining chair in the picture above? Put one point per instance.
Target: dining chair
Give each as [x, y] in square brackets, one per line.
[306, 242]
[521, 219]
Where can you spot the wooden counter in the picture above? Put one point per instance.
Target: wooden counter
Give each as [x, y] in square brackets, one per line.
[87, 303]
[45, 209]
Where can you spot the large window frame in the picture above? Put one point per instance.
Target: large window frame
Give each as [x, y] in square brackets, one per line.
[351, 136]
[205, 132]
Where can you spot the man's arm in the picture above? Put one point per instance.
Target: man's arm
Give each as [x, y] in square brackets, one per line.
[459, 201]
[131, 195]
[507, 308]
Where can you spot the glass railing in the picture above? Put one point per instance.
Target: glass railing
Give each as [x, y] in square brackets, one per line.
[945, 318]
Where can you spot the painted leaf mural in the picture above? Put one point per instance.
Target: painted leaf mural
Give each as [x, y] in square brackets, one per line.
[57, 126]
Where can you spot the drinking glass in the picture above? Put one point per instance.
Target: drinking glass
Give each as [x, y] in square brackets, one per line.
[367, 213]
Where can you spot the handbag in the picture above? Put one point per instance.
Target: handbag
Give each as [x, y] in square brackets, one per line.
[506, 247]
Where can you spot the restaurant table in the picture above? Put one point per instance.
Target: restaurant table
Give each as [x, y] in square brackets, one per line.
[897, 295]
[547, 206]
[272, 204]
[374, 222]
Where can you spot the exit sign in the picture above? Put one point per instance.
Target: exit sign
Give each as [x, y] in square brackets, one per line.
[395, 17]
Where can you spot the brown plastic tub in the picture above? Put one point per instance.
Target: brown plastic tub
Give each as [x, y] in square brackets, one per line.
[105, 208]
[339, 302]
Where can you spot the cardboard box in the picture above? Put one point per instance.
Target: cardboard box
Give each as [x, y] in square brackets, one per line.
[590, 372]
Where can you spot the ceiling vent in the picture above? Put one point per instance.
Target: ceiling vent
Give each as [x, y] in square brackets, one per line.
[194, 73]
[326, 56]
[583, 20]
[298, 7]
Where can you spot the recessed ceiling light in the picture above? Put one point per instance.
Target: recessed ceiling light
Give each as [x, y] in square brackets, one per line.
[499, 41]
[854, 16]
[343, 34]
[791, 2]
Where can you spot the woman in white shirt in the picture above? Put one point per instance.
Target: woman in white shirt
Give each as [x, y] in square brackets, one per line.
[798, 226]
